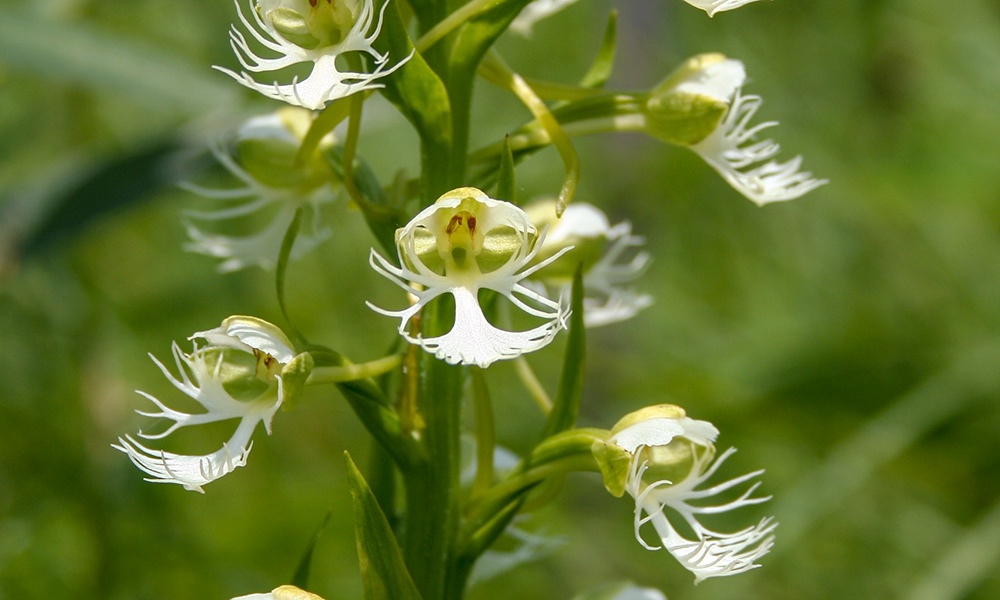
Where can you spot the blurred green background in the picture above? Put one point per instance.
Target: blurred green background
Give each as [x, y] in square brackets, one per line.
[846, 342]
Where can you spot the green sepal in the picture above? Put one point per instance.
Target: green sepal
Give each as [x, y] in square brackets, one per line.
[599, 71]
[301, 576]
[683, 118]
[293, 379]
[506, 183]
[613, 462]
[383, 573]
[566, 404]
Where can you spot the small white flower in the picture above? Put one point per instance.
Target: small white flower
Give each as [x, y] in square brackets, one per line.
[463, 243]
[310, 31]
[731, 148]
[273, 187]
[236, 375]
[608, 254]
[662, 437]
[714, 6]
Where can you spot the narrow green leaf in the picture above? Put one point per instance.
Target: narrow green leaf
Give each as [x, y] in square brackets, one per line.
[301, 576]
[600, 69]
[506, 184]
[383, 574]
[566, 404]
[418, 93]
[279, 274]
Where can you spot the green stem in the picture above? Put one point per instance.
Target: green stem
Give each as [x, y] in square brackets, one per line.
[451, 22]
[485, 438]
[353, 372]
[527, 376]
[516, 84]
[432, 489]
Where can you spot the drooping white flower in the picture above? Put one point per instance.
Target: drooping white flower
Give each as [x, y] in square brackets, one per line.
[274, 186]
[608, 254]
[235, 375]
[310, 31]
[715, 6]
[685, 109]
[463, 243]
[662, 441]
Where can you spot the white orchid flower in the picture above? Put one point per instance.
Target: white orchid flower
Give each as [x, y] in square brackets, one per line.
[663, 440]
[463, 243]
[310, 31]
[235, 375]
[686, 108]
[274, 186]
[608, 254]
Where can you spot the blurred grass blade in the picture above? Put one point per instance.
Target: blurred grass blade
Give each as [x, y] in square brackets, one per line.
[301, 576]
[972, 559]
[566, 404]
[91, 191]
[600, 70]
[383, 573]
[78, 52]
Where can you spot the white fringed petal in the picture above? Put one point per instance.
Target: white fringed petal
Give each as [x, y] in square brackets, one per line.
[472, 339]
[607, 297]
[710, 553]
[256, 200]
[325, 82]
[202, 381]
[732, 150]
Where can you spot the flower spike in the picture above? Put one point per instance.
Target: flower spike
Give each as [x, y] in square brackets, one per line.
[463, 243]
[236, 375]
[663, 440]
[304, 31]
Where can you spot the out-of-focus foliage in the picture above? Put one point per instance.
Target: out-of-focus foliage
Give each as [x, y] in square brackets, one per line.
[848, 342]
